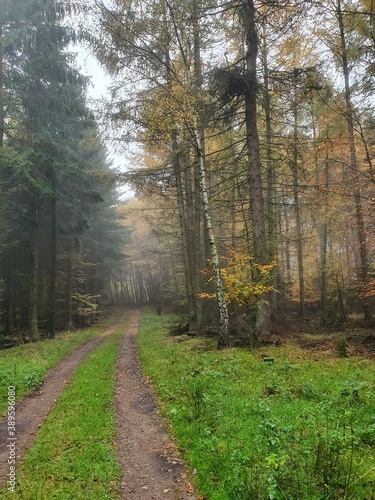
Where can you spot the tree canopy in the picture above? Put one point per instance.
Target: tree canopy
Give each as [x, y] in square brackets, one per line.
[251, 135]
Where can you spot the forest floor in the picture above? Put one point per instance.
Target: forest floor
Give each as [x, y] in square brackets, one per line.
[151, 469]
[312, 336]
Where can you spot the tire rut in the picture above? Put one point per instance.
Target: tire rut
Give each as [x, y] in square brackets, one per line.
[151, 468]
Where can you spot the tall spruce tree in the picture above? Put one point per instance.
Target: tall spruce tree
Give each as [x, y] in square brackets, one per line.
[50, 184]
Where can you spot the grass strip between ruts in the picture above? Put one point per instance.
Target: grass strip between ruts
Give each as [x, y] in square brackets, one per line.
[25, 366]
[73, 455]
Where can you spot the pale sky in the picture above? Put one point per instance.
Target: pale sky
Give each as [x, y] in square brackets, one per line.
[98, 91]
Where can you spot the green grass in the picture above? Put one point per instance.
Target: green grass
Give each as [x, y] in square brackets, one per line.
[25, 366]
[300, 428]
[73, 455]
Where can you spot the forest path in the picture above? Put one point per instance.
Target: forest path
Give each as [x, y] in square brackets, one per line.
[151, 469]
[32, 410]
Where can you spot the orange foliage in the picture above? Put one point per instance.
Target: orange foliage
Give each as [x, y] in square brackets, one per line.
[245, 282]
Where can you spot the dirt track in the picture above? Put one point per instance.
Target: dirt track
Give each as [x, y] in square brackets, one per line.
[32, 410]
[151, 470]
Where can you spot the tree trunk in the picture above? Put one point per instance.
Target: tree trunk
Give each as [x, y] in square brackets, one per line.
[271, 175]
[252, 141]
[323, 237]
[33, 288]
[361, 230]
[193, 227]
[234, 196]
[69, 288]
[193, 309]
[189, 279]
[52, 304]
[271, 215]
[294, 167]
[7, 293]
[2, 100]
[223, 334]
[288, 265]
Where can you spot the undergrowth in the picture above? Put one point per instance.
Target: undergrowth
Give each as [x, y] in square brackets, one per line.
[295, 429]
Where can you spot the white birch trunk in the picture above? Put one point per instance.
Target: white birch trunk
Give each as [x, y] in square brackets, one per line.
[223, 335]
